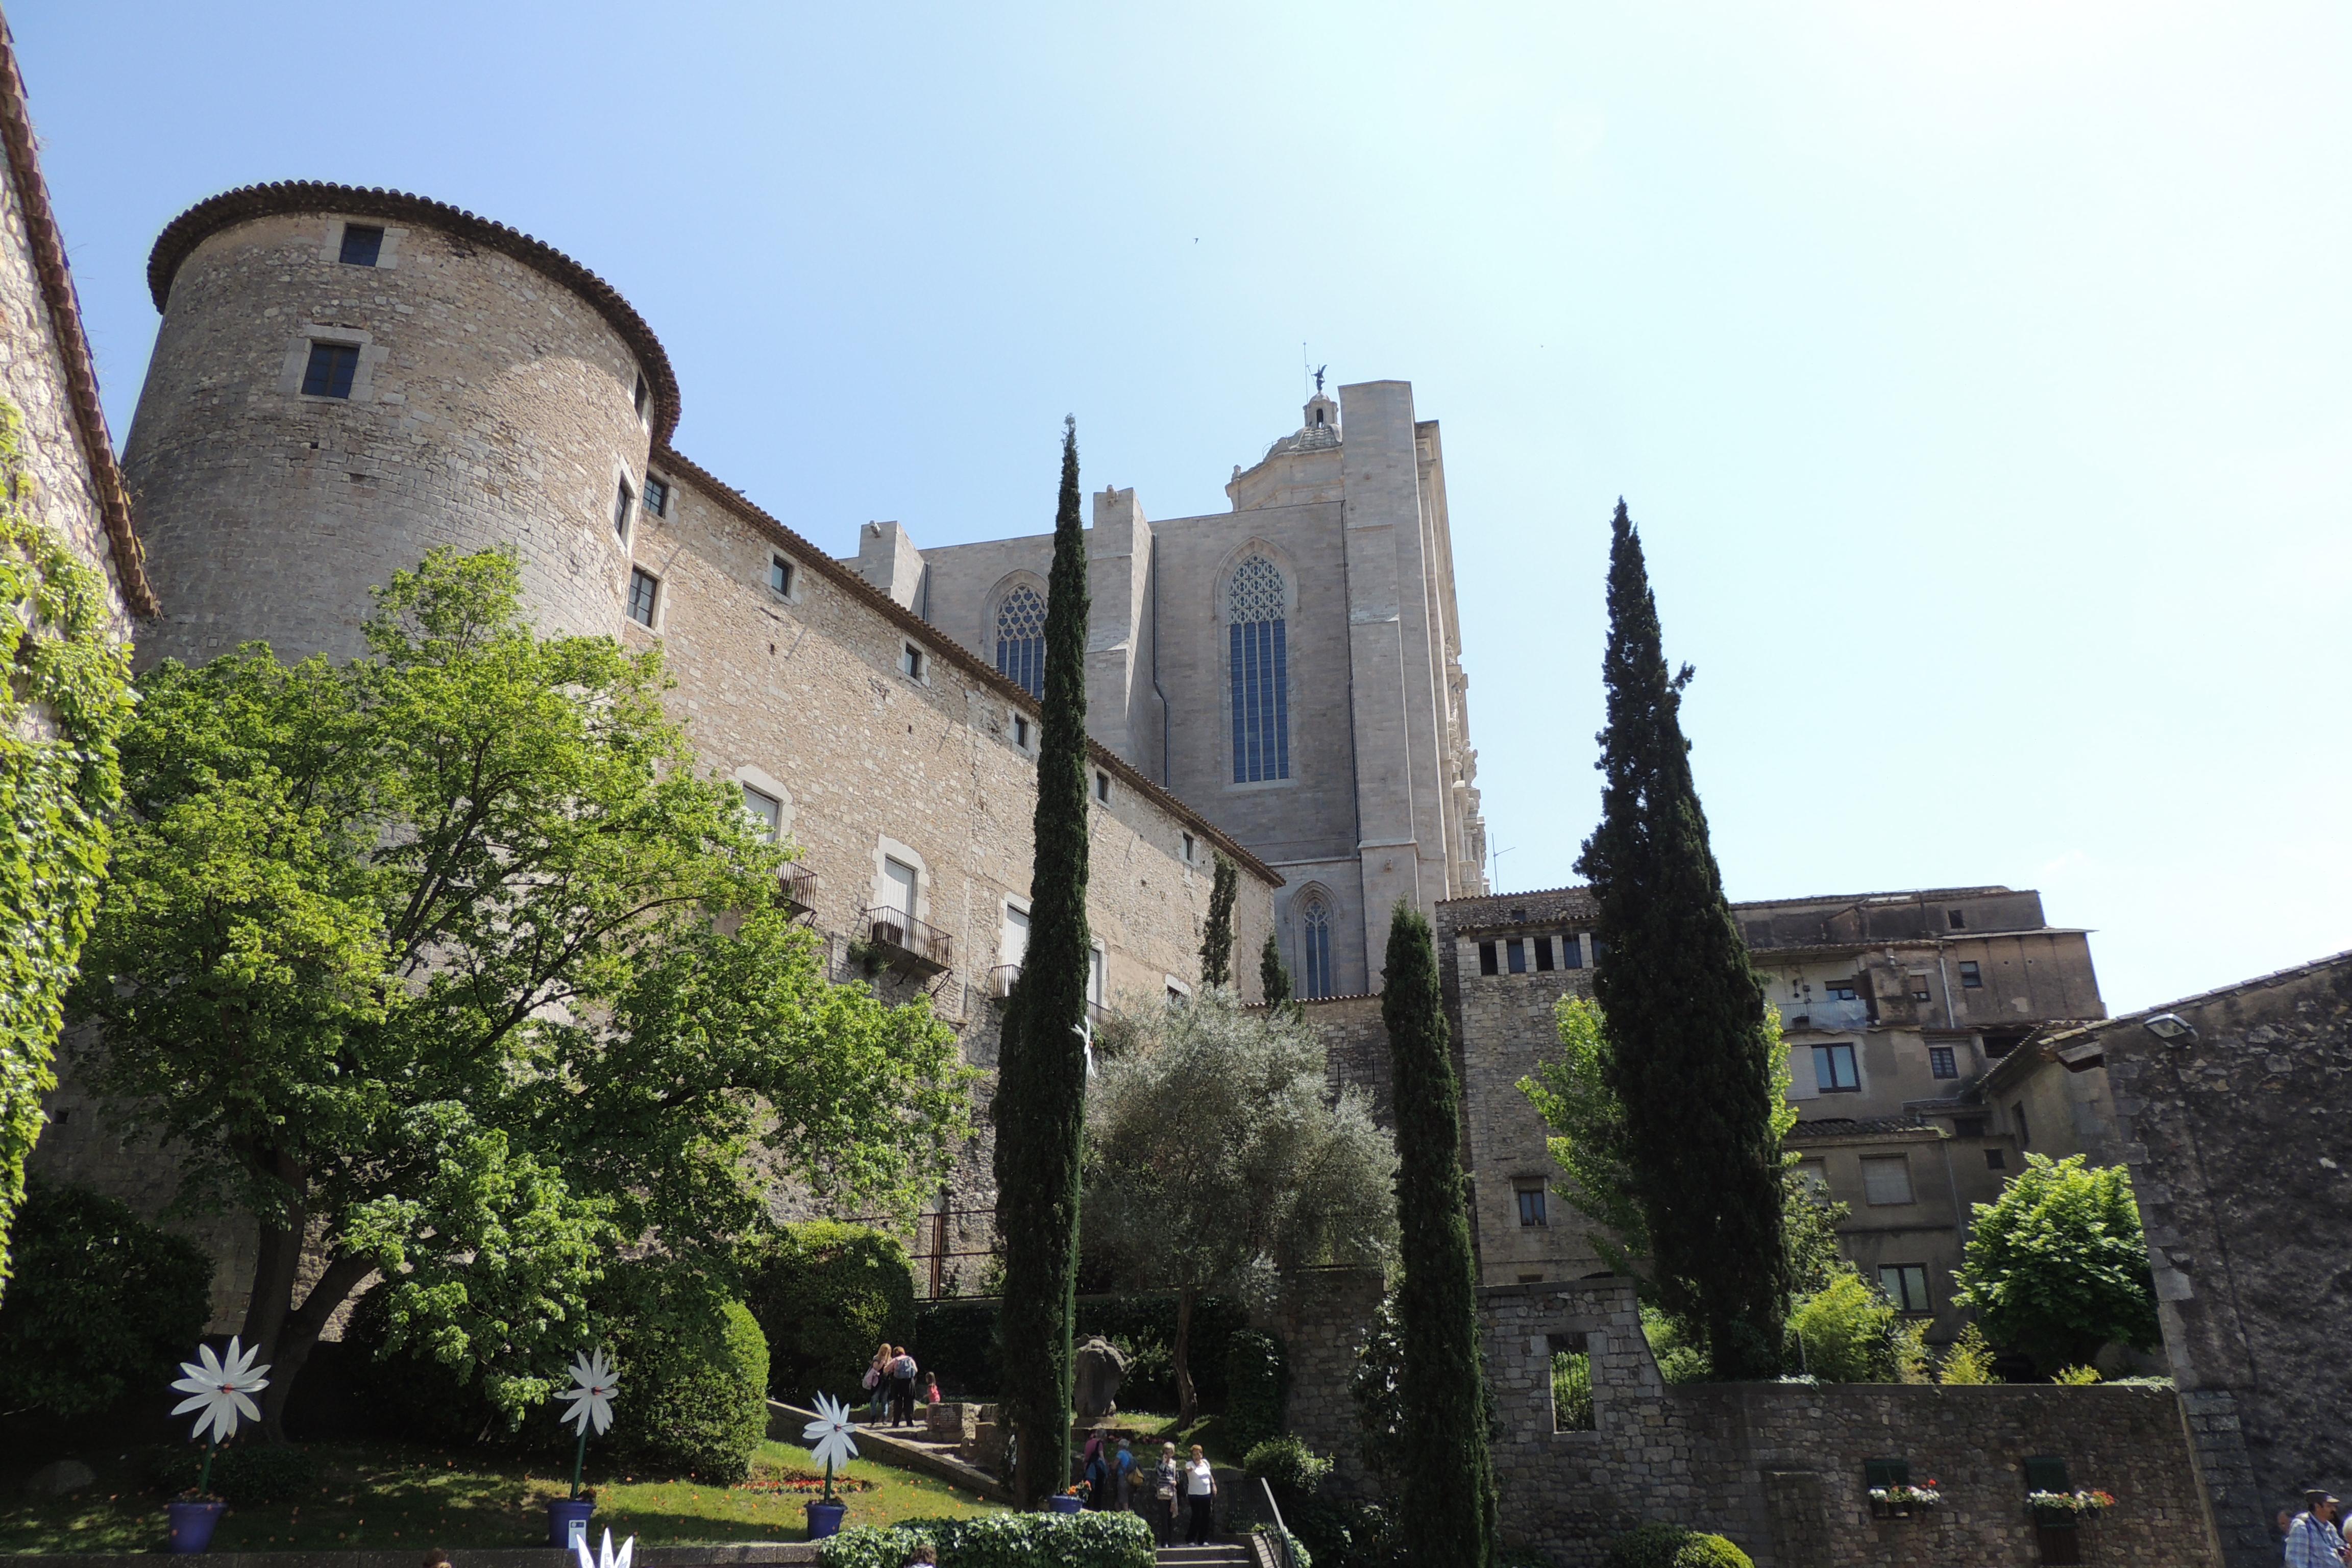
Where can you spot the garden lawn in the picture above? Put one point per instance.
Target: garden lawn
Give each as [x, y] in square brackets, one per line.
[383, 1496]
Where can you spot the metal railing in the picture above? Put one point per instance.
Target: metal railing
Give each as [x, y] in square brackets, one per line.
[797, 888]
[910, 943]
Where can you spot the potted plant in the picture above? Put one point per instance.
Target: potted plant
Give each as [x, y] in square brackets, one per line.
[2068, 1507]
[591, 1398]
[1071, 1502]
[1900, 1500]
[831, 1438]
[219, 1390]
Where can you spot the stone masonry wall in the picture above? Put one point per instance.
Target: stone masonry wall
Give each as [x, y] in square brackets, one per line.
[1778, 1466]
[2240, 1157]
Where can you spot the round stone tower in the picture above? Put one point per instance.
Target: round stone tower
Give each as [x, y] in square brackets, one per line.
[347, 378]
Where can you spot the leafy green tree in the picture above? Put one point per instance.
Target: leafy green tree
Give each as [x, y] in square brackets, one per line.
[1271, 974]
[1849, 1332]
[2057, 1266]
[1449, 1499]
[1217, 1155]
[63, 703]
[419, 959]
[1692, 1059]
[1040, 1106]
[104, 1303]
[1217, 940]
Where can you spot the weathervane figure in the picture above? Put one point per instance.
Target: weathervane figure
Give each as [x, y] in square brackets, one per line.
[1318, 378]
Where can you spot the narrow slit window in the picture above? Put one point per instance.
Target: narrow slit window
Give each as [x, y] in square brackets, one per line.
[1515, 956]
[779, 576]
[623, 502]
[1571, 1381]
[1487, 958]
[1102, 788]
[910, 661]
[641, 396]
[645, 590]
[1543, 955]
[363, 244]
[330, 372]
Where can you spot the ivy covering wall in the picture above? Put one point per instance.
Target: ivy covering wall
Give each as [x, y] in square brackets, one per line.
[64, 702]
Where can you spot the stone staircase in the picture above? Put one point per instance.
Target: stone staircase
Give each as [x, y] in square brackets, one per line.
[1221, 1554]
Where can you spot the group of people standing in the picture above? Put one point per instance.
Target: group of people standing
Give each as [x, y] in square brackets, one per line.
[1117, 1478]
[891, 1384]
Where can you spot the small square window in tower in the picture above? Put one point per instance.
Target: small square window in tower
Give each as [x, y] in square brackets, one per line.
[363, 244]
[623, 503]
[779, 576]
[910, 661]
[645, 590]
[1258, 646]
[657, 496]
[1102, 788]
[330, 372]
[1530, 1195]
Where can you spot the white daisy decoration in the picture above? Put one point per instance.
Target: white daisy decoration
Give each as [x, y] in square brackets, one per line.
[590, 1393]
[606, 1558]
[221, 1390]
[832, 1435]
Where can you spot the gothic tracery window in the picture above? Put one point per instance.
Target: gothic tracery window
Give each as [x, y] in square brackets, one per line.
[1255, 608]
[1315, 945]
[1021, 639]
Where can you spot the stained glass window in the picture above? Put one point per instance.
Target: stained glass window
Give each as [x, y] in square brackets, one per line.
[1021, 639]
[1256, 609]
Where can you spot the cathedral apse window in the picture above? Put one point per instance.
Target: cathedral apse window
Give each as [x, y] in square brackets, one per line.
[1020, 640]
[1258, 649]
[1315, 945]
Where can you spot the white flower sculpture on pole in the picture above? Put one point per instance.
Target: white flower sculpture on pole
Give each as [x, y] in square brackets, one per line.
[831, 1437]
[591, 1397]
[607, 1558]
[220, 1391]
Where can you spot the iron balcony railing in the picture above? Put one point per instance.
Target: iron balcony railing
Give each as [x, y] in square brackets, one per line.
[908, 943]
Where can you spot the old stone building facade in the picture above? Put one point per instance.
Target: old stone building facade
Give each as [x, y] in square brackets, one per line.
[1292, 667]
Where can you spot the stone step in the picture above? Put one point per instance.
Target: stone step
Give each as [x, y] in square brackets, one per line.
[1223, 1555]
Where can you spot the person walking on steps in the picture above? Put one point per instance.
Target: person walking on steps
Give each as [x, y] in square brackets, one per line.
[1167, 1482]
[902, 1389]
[1201, 1497]
[877, 1385]
[2314, 1540]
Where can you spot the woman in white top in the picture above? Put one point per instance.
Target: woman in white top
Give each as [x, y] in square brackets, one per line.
[1201, 1497]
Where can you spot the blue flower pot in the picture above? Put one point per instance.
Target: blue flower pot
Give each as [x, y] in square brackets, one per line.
[193, 1524]
[562, 1512]
[1062, 1502]
[824, 1518]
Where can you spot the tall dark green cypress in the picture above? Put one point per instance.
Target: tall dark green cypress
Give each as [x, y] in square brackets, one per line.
[1217, 941]
[1689, 1055]
[1040, 1106]
[1271, 974]
[1446, 1515]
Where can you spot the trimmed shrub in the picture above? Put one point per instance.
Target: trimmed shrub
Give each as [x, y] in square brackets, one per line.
[1257, 1387]
[1344, 1535]
[1673, 1546]
[694, 1394]
[1288, 1466]
[826, 1294]
[243, 1473]
[99, 1303]
[1000, 1541]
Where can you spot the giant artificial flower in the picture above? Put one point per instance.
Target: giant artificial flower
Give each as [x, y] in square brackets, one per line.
[220, 1389]
[831, 1436]
[591, 1395]
[606, 1558]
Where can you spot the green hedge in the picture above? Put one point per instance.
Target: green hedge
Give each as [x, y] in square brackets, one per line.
[1673, 1546]
[101, 1304]
[1000, 1541]
[1257, 1388]
[243, 1472]
[693, 1395]
[1288, 1465]
[826, 1294]
[957, 1339]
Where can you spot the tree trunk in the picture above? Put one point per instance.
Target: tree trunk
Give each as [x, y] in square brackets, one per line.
[1180, 1356]
[277, 1261]
[298, 1335]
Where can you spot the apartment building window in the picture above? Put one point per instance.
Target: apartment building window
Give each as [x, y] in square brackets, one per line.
[779, 576]
[1996, 1160]
[1816, 1174]
[767, 812]
[622, 501]
[644, 590]
[363, 244]
[1021, 639]
[910, 661]
[1102, 787]
[1967, 1126]
[1013, 943]
[1971, 977]
[1942, 1063]
[1486, 964]
[1886, 1179]
[1571, 952]
[1543, 953]
[330, 372]
[1905, 1285]
[1919, 990]
[1515, 956]
[1256, 617]
[1958, 918]
[1530, 1195]
[1315, 944]
[1833, 1071]
[1840, 990]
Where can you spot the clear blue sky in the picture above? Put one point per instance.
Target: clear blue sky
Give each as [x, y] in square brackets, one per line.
[1977, 370]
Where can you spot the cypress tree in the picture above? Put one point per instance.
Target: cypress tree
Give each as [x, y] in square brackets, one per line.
[1446, 1516]
[1690, 1055]
[1217, 942]
[1271, 974]
[1040, 1106]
